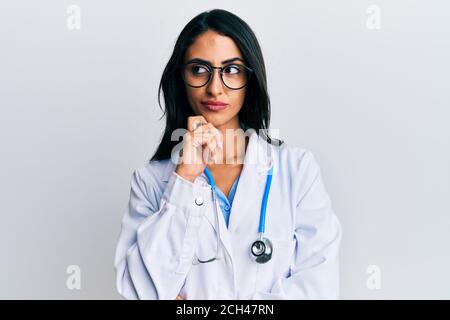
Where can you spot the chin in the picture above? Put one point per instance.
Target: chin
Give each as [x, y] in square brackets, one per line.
[215, 118]
[215, 121]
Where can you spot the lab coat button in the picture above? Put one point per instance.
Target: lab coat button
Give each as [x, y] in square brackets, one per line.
[199, 201]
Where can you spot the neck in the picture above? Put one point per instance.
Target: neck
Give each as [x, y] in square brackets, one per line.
[232, 124]
[234, 144]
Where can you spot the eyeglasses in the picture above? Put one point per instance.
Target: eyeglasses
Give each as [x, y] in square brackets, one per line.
[233, 76]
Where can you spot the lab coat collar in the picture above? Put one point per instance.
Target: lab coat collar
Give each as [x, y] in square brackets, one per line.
[250, 189]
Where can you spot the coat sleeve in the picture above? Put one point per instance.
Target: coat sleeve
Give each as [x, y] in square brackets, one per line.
[314, 270]
[156, 244]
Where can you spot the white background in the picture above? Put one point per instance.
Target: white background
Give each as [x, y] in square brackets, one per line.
[78, 112]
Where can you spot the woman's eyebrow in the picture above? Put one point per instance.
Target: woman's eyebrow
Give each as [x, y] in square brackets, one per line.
[232, 59]
[208, 62]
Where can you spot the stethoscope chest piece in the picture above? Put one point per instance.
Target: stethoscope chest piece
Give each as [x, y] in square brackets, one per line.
[261, 250]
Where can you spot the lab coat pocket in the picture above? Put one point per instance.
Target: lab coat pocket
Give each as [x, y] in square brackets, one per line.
[277, 267]
[206, 247]
[202, 280]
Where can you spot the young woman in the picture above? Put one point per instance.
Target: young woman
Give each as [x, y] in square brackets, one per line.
[228, 213]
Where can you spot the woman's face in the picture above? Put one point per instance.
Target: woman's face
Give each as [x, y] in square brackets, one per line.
[215, 49]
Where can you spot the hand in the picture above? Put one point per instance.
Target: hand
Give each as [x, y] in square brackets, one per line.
[201, 145]
[179, 298]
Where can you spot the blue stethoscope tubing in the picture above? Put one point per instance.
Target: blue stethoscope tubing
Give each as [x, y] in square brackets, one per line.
[262, 246]
[262, 216]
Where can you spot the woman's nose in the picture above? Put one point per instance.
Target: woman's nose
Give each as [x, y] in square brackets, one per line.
[215, 85]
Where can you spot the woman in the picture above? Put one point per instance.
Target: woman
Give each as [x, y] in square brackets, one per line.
[228, 213]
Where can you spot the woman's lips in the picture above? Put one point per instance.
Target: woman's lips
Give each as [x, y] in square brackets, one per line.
[214, 106]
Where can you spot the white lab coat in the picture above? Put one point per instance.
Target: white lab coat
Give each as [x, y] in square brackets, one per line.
[164, 227]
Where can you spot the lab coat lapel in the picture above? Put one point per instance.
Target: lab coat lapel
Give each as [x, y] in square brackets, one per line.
[250, 189]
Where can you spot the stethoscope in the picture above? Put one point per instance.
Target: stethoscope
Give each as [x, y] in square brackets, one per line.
[261, 250]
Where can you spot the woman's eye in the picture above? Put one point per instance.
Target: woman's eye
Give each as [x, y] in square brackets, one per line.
[233, 69]
[199, 69]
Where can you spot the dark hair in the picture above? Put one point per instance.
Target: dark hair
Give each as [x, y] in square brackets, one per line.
[255, 111]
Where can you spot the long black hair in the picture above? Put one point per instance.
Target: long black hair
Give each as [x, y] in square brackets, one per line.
[255, 111]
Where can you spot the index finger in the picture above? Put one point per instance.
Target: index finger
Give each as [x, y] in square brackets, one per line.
[194, 122]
